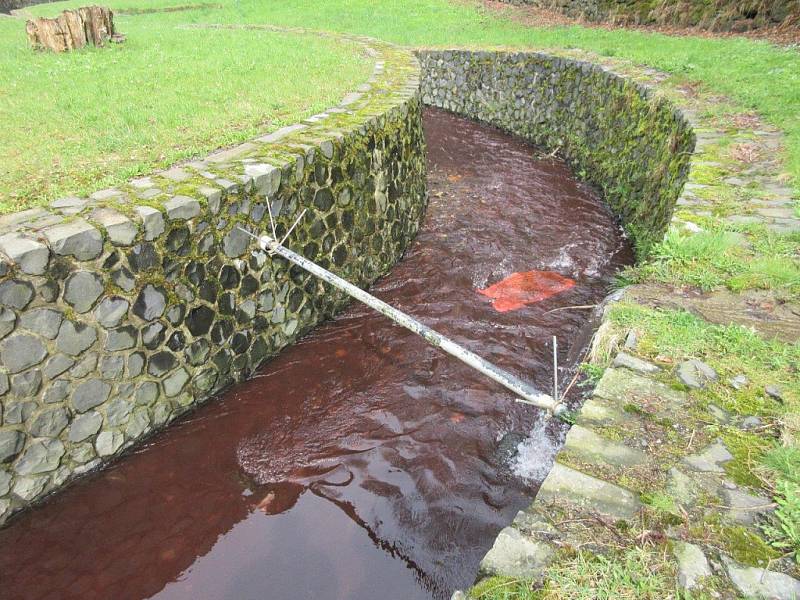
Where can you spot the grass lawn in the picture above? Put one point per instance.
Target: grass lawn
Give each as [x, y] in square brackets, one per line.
[635, 575]
[78, 122]
[715, 258]
[758, 75]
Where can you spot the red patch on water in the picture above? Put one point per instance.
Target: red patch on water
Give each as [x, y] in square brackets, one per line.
[520, 289]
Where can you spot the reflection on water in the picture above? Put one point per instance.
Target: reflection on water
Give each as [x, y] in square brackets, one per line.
[361, 462]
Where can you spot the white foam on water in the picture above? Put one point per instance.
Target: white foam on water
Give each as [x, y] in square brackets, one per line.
[535, 455]
[564, 263]
[487, 274]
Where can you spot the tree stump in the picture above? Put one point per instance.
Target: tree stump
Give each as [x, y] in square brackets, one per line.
[73, 29]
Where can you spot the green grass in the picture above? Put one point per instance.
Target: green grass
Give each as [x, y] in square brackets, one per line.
[717, 258]
[756, 75]
[635, 574]
[736, 349]
[784, 527]
[732, 350]
[505, 588]
[78, 122]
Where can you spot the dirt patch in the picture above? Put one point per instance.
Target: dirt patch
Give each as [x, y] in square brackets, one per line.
[530, 16]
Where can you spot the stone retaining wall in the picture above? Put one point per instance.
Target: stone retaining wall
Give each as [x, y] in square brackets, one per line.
[615, 133]
[121, 311]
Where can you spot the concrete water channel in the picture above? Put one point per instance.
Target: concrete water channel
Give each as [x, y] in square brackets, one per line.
[360, 462]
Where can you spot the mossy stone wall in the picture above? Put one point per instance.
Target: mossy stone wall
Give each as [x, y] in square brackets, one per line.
[615, 133]
[121, 311]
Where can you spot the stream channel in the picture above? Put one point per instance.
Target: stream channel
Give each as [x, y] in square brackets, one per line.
[360, 463]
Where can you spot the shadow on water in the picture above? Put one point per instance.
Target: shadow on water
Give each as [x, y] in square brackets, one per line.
[361, 462]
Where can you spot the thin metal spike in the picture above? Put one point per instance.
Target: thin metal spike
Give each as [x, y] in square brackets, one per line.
[271, 219]
[292, 227]
[555, 369]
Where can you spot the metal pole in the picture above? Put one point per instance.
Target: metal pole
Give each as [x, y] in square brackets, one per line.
[555, 368]
[527, 394]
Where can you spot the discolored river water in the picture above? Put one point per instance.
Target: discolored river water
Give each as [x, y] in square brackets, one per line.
[361, 463]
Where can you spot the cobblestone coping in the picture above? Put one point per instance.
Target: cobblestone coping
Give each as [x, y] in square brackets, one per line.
[120, 311]
[640, 459]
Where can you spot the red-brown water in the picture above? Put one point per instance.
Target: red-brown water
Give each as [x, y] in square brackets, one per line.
[360, 463]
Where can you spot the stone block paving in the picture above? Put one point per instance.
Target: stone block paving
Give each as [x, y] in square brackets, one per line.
[583, 500]
[773, 203]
